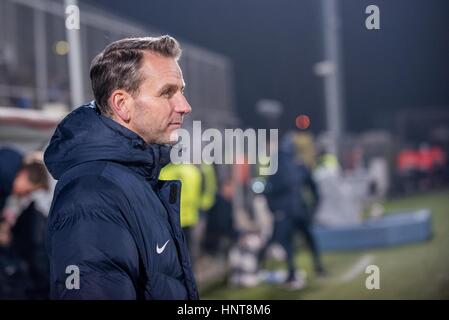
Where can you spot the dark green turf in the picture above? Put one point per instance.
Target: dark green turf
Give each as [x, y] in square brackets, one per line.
[415, 271]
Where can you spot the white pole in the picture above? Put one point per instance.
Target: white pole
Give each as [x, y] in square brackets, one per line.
[333, 79]
[75, 63]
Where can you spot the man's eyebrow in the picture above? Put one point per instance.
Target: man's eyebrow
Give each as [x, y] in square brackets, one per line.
[171, 86]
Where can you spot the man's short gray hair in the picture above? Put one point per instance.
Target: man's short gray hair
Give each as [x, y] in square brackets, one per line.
[118, 65]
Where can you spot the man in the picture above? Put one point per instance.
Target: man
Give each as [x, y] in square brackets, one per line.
[18, 177]
[114, 229]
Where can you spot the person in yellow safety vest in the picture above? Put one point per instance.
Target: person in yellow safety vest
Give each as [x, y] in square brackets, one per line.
[209, 186]
[190, 177]
[262, 163]
[329, 162]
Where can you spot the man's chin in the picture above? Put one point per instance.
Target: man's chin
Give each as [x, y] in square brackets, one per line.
[170, 138]
[173, 137]
[171, 143]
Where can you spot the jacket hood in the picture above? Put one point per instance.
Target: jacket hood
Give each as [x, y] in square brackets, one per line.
[86, 135]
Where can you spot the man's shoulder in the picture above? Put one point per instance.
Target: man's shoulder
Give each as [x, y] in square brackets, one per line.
[89, 195]
[95, 174]
[98, 182]
[90, 184]
[92, 188]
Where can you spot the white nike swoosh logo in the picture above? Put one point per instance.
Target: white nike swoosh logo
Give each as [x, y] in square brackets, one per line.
[160, 250]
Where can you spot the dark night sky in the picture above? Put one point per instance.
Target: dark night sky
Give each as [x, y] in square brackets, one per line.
[275, 43]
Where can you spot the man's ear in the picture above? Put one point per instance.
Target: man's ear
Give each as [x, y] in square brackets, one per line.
[120, 102]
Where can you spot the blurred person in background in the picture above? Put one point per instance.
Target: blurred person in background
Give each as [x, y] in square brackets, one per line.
[220, 233]
[29, 236]
[328, 163]
[18, 178]
[285, 198]
[309, 199]
[208, 186]
[439, 165]
[30, 227]
[407, 168]
[23, 176]
[10, 164]
[14, 281]
[113, 222]
[425, 167]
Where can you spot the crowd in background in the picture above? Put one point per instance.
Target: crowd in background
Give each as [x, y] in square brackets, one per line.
[24, 270]
[421, 169]
[212, 206]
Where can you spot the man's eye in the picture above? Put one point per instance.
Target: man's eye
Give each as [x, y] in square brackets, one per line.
[166, 94]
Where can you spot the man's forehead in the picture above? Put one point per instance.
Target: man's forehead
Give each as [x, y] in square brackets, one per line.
[158, 65]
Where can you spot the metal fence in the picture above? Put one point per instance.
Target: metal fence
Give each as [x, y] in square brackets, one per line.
[34, 69]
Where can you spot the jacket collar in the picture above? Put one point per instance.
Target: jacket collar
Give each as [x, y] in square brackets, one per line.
[158, 154]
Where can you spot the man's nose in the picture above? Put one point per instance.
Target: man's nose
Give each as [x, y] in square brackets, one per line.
[182, 105]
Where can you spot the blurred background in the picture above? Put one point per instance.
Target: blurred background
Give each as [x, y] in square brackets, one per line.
[362, 113]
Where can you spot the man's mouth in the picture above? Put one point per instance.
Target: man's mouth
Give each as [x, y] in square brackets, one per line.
[175, 124]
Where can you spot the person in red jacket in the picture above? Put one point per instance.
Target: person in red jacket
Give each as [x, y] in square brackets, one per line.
[407, 166]
[439, 161]
[425, 166]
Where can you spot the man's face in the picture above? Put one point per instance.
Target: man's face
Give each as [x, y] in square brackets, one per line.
[22, 186]
[160, 105]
